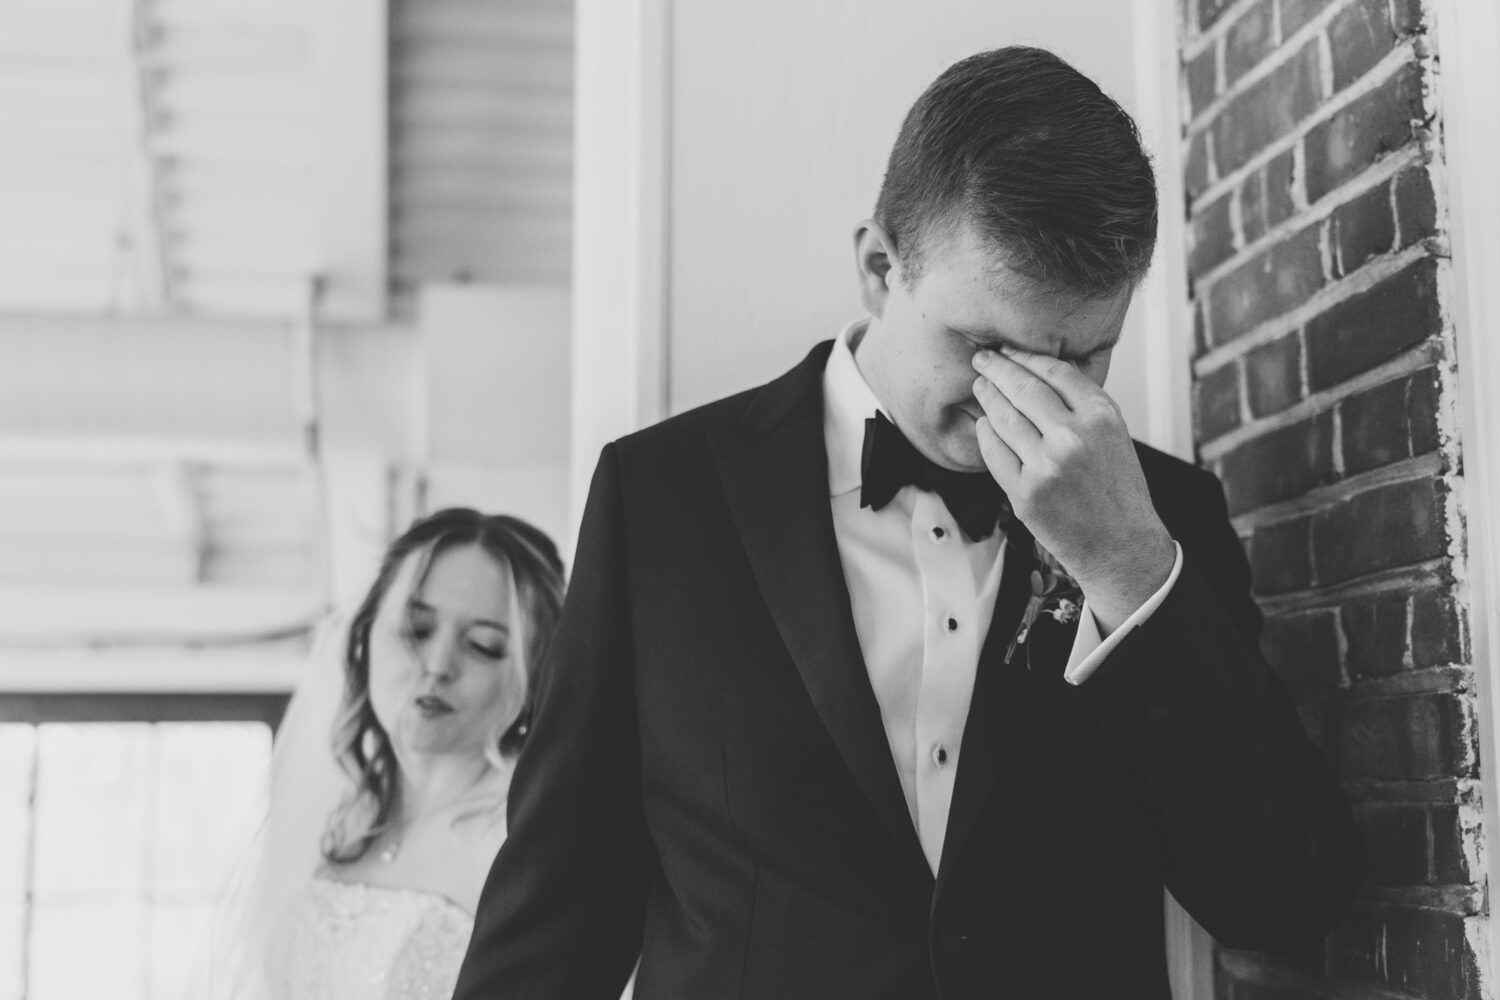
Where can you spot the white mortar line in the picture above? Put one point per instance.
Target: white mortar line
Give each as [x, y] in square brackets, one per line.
[1362, 280]
[1407, 470]
[1404, 54]
[1192, 46]
[1283, 52]
[1378, 173]
[1397, 579]
[1427, 354]
[1442, 678]
[1325, 64]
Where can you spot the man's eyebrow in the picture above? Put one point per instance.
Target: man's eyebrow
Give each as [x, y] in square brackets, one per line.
[1099, 348]
[986, 337]
[989, 338]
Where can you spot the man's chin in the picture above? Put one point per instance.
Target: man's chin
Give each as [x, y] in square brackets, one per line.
[953, 447]
[960, 455]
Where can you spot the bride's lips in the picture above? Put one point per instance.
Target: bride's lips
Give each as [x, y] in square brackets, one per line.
[431, 706]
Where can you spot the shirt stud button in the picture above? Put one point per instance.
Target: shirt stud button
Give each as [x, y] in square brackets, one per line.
[938, 534]
[940, 755]
[951, 624]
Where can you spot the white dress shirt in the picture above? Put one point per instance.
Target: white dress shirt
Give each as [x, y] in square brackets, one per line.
[922, 596]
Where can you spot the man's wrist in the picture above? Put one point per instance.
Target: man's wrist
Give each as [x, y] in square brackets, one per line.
[1116, 592]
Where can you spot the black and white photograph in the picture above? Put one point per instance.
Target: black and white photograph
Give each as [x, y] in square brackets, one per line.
[773, 500]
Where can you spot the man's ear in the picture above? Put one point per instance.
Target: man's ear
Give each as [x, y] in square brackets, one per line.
[875, 258]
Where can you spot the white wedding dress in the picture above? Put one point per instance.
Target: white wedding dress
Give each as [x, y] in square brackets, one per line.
[348, 940]
[286, 931]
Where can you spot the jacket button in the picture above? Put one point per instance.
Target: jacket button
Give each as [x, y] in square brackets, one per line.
[1158, 715]
[951, 943]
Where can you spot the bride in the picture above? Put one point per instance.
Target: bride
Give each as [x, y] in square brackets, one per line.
[368, 881]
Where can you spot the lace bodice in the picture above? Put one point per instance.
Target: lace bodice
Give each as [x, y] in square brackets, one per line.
[344, 940]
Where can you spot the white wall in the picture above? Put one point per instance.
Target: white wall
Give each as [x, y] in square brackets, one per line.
[772, 125]
[783, 115]
[619, 228]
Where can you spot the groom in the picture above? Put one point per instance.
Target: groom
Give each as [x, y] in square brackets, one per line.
[908, 675]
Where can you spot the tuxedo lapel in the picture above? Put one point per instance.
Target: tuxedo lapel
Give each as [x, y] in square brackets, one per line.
[774, 468]
[1002, 708]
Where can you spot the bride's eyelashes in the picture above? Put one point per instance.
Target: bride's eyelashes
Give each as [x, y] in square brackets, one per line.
[489, 652]
[417, 632]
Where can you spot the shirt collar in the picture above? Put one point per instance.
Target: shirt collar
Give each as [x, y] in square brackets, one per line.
[847, 403]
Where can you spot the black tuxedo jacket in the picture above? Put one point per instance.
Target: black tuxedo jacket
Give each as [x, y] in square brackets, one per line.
[708, 784]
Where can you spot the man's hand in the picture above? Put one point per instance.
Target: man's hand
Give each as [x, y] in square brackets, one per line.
[1058, 446]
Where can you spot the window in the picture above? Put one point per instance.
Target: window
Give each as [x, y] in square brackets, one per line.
[123, 819]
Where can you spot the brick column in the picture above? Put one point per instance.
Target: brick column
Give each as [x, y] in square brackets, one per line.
[1324, 398]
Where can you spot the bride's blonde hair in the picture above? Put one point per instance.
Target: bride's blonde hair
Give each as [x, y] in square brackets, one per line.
[360, 744]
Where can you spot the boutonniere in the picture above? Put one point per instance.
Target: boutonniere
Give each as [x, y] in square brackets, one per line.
[1053, 592]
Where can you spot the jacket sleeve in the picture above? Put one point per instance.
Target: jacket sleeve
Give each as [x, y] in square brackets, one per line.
[561, 912]
[1259, 838]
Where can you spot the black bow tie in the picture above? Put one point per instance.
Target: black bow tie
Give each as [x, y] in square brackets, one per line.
[890, 462]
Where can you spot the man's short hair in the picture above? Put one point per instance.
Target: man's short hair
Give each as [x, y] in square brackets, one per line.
[1047, 169]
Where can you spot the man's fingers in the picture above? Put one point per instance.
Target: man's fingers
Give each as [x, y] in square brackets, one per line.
[1071, 385]
[1007, 421]
[998, 457]
[1029, 392]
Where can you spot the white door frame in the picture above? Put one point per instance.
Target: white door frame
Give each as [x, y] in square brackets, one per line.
[1468, 36]
[1163, 296]
[621, 224]
[1168, 344]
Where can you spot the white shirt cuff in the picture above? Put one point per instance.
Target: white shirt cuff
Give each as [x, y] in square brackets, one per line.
[1089, 650]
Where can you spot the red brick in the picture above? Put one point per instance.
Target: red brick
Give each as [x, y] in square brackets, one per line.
[1375, 124]
[1438, 635]
[1281, 557]
[1359, 36]
[1210, 11]
[1374, 326]
[1271, 108]
[1387, 526]
[1195, 165]
[1216, 402]
[1416, 208]
[1296, 13]
[1375, 629]
[1280, 204]
[1278, 465]
[1201, 76]
[1410, 19]
[1363, 228]
[1273, 375]
[1248, 41]
[1424, 952]
[1378, 424]
[1274, 281]
[1252, 195]
[1422, 412]
[1374, 428]
[1213, 238]
[1406, 737]
[1395, 845]
[1450, 865]
[1304, 651]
